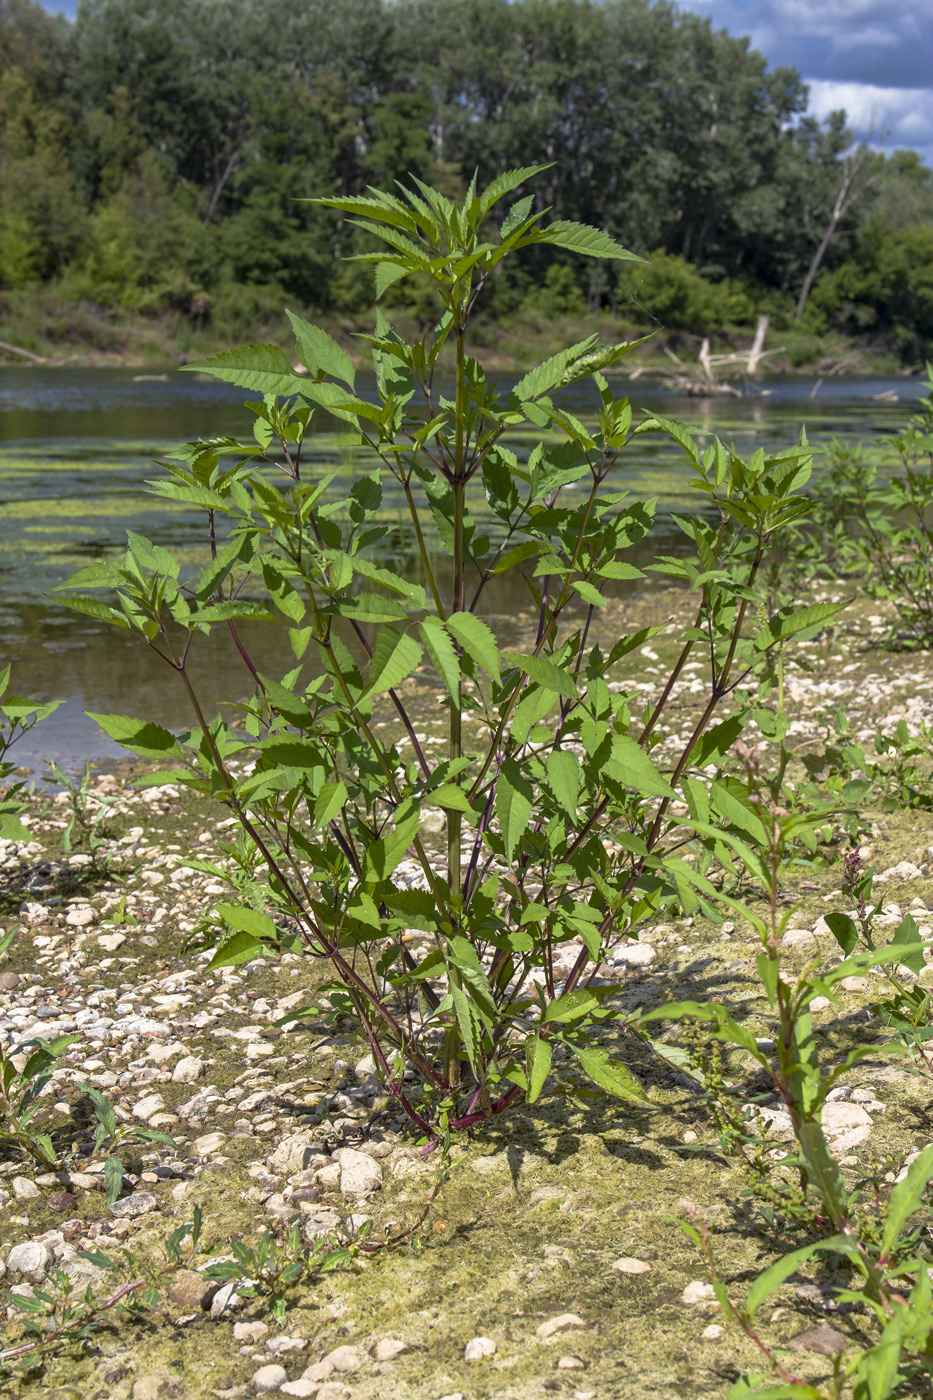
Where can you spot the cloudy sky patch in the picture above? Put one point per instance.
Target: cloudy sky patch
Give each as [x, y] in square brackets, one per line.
[870, 57]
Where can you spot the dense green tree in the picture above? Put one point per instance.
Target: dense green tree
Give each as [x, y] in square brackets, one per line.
[156, 152]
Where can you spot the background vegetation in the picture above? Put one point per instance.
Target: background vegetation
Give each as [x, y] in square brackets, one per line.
[151, 156]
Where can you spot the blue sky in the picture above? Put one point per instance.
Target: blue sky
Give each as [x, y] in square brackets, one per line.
[872, 57]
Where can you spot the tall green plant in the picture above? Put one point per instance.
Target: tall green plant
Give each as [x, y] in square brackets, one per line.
[562, 834]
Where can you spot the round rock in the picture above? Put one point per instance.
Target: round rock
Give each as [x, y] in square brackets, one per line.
[30, 1259]
[478, 1347]
[631, 1266]
[269, 1378]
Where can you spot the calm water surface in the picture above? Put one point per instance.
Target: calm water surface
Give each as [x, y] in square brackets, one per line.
[77, 447]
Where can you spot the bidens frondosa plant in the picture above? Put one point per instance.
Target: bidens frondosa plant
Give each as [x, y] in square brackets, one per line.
[463, 968]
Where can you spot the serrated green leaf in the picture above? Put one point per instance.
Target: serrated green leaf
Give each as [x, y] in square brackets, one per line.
[581, 238]
[395, 655]
[477, 640]
[443, 654]
[563, 775]
[544, 673]
[140, 737]
[514, 803]
[634, 768]
[239, 948]
[790, 621]
[264, 369]
[319, 351]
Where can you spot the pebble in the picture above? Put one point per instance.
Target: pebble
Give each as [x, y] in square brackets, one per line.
[148, 1106]
[225, 1299]
[62, 1201]
[344, 1358]
[269, 1378]
[293, 1153]
[635, 955]
[559, 1324]
[152, 1387]
[712, 1333]
[9, 981]
[30, 1259]
[278, 1346]
[360, 1174]
[249, 1332]
[825, 1341]
[189, 1289]
[797, 938]
[188, 1070]
[24, 1189]
[697, 1292]
[387, 1348]
[631, 1266]
[207, 1145]
[140, 1203]
[569, 1363]
[110, 942]
[479, 1347]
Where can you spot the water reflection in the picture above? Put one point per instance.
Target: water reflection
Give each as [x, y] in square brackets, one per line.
[77, 446]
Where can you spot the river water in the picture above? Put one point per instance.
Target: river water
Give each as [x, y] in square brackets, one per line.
[78, 445]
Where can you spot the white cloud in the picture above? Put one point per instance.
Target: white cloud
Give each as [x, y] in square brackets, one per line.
[868, 41]
[887, 116]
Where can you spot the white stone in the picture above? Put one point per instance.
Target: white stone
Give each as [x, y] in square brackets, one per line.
[559, 1324]
[712, 1333]
[188, 1070]
[30, 1259]
[278, 1346]
[359, 1174]
[269, 1378]
[301, 1388]
[140, 1203]
[249, 1332]
[207, 1144]
[387, 1348]
[846, 1125]
[697, 1292]
[148, 1106]
[80, 916]
[24, 1189]
[904, 870]
[631, 1266]
[797, 938]
[111, 941]
[293, 1154]
[345, 1358]
[478, 1347]
[854, 984]
[635, 955]
[226, 1299]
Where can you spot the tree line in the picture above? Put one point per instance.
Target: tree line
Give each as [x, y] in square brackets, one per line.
[154, 153]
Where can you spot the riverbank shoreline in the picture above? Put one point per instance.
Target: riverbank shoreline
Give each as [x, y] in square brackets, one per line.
[86, 335]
